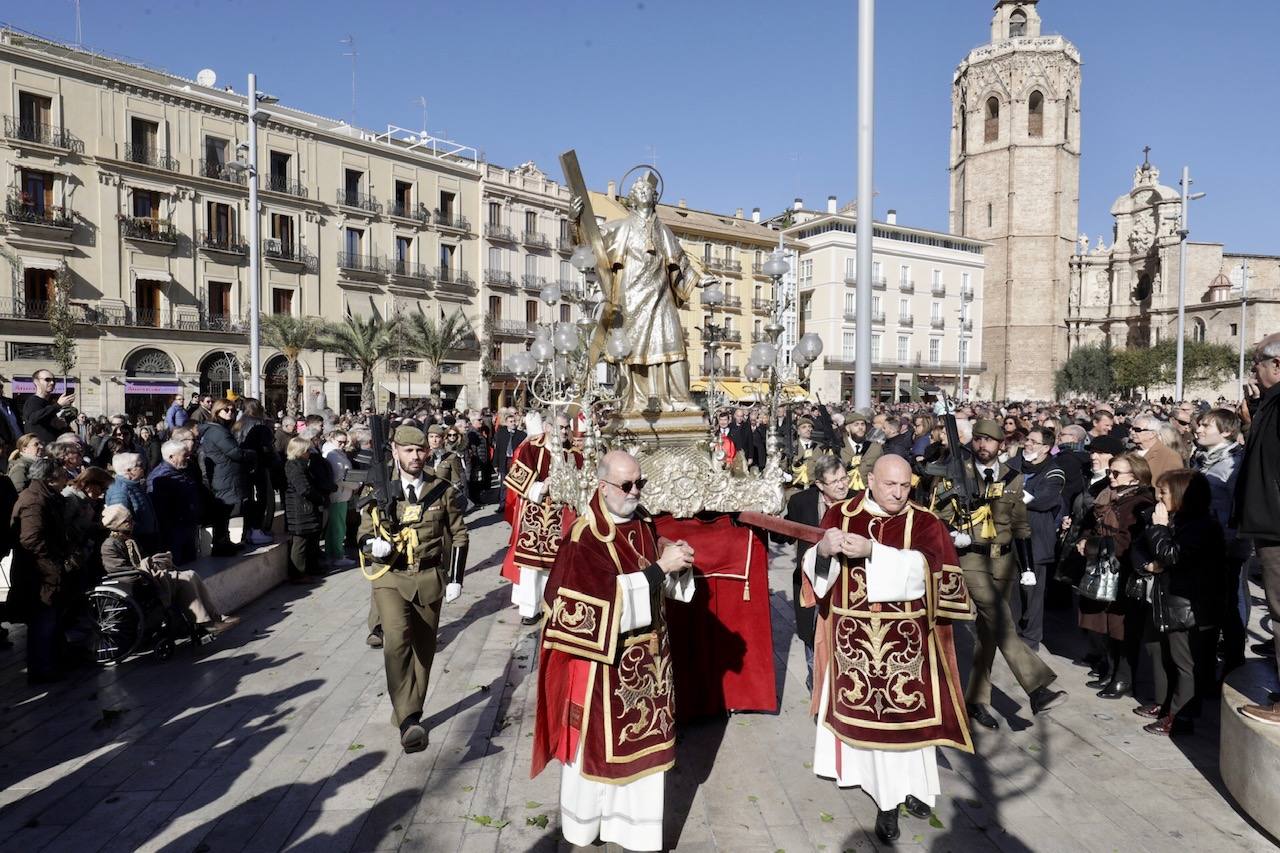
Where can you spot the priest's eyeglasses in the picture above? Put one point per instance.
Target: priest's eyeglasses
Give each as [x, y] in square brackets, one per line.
[627, 485]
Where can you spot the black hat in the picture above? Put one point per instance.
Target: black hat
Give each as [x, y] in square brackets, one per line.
[1107, 444]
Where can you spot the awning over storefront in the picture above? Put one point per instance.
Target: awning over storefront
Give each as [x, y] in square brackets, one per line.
[24, 385]
[414, 390]
[154, 386]
[748, 392]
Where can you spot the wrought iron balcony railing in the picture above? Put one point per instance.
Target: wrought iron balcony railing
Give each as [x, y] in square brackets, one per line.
[759, 303]
[937, 322]
[499, 278]
[359, 200]
[906, 285]
[499, 232]
[218, 170]
[536, 239]
[514, 328]
[452, 276]
[42, 134]
[452, 222]
[222, 241]
[409, 269]
[148, 228]
[283, 184]
[906, 320]
[417, 212]
[565, 244]
[533, 282]
[355, 262]
[21, 210]
[148, 155]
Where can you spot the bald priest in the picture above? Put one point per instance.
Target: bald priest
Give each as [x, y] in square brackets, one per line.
[887, 689]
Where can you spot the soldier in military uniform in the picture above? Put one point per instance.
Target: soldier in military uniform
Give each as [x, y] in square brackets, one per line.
[415, 556]
[857, 452]
[994, 544]
[445, 463]
[805, 449]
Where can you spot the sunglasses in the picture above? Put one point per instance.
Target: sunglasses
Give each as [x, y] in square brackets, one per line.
[1112, 472]
[627, 485]
[1184, 423]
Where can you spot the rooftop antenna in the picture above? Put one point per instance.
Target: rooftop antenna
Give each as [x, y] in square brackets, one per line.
[421, 101]
[79, 34]
[350, 42]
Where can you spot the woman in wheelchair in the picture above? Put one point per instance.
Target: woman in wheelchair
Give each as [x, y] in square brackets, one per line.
[121, 555]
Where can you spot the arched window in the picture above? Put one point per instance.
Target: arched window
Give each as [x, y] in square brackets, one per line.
[149, 362]
[1035, 115]
[1197, 330]
[991, 130]
[1017, 24]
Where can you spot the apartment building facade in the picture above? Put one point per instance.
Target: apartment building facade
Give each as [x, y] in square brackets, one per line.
[926, 313]
[124, 179]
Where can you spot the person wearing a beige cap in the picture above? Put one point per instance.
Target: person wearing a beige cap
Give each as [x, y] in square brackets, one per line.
[415, 553]
[176, 587]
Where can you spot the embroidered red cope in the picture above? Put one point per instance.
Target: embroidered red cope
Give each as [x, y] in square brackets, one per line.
[610, 691]
[536, 526]
[894, 683]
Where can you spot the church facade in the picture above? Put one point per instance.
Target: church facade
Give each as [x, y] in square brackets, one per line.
[1015, 184]
[1125, 294]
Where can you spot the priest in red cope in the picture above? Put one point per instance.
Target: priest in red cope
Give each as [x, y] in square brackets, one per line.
[606, 703]
[888, 691]
[538, 521]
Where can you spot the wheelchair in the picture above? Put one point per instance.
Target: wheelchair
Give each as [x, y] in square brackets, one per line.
[125, 615]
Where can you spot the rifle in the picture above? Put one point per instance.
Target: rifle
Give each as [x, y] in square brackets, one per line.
[382, 513]
[964, 487]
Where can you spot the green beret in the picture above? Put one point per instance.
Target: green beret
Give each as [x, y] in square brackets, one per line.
[989, 428]
[409, 435]
[435, 429]
[854, 417]
[804, 421]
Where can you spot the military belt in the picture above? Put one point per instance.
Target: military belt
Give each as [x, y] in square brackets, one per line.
[992, 549]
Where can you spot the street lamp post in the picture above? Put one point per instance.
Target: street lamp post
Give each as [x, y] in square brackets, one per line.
[255, 250]
[866, 126]
[1183, 231]
[1244, 300]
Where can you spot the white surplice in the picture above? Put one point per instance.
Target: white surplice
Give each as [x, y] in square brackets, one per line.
[629, 814]
[887, 775]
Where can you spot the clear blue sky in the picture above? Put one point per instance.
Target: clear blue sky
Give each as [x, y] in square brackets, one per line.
[746, 103]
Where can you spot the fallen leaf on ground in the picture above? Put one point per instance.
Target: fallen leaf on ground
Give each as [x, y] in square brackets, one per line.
[539, 821]
[825, 818]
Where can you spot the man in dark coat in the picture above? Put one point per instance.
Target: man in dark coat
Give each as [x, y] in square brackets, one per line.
[808, 506]
[10, 428]
[40, 411]
[505, 442]
[176, 498]
[1043, 479]
[1257, 508]
[39, 566]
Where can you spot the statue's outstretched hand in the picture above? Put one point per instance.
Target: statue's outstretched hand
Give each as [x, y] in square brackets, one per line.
[576, 207]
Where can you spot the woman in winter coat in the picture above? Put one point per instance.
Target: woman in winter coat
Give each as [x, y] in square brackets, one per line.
[1218, 457]
[227, 467]
[304, 502]
[40, 561]
[1120, 514]
[1185, 543]
[82, 521]
[26, 449]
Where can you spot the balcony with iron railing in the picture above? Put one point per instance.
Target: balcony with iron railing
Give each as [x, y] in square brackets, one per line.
[966, 325]
[359, 200]
[499, 232]
[285, 249]
[759, 303]
[937, 322]
[180, 317]
[408, 210]
[850, 316]
[455, 279]
[452, 222]
[514, 328]
[222, 241]
[404, 268]
[535, 239]
[283, 184]
[148, 229]
[879, 283]
[734, 302]
[920, 365]
[218, 171]
[938, 289]
[966, 293]
[354, 262]
[733, 336]
[758, 269]
[760, 337]
[877, 317]
[149, 155]
[217, 321]
[499, 278]
[906, 321]
[565, 245]
[532, 282]
[42, 134]
[906, 285]
[20, 209]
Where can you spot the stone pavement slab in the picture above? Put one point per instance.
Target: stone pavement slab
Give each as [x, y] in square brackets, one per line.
[276, 737]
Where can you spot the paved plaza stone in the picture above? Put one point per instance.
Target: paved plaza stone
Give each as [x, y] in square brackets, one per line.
[277, 737]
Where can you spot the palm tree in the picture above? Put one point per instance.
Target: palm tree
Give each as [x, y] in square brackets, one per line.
[291, 335]
[367, 341]
[433, 341]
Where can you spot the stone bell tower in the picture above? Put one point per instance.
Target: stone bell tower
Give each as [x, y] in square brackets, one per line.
[1015, 182]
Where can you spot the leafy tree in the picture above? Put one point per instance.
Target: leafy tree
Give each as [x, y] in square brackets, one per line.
[291, 335]
[433, 340]
[1208, 363]
[367, 341]
[62, 321]
[1088, 370]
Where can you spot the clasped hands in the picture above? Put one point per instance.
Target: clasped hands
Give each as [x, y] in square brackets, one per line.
[835, 541]
[676, 557]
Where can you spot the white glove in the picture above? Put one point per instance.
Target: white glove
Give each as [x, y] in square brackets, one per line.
[379, 548]
[1028, 578]
[452, 591]
[537, 492]
[961, 540]
[1027, 497]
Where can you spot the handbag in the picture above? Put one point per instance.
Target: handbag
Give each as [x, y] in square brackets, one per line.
[1170, 612]
[1101, 580]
